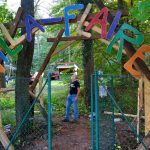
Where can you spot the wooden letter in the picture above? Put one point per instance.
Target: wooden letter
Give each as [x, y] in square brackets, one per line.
[7, 35]
[138, 54]
[102, 22]
[50, 20]
[30, 24]
[113, 25]
[4, 46]
[68, 17]
[120, 35]
[85, 14]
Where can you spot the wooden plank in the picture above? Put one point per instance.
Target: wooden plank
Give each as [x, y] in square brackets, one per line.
[2, 69]
[14, 26]
[84, 16]
[18, 41]
[1, 120]
[146, 140]
[41, 108]
[119, 114]
[71, 38]
[141, 93]
[22, 24]
[5, 90]
[7, 35]
[3, 137]
[147, 104]
[63, 48]
[90, 16]
[22, 38]
[95, 28]
[41, 97]
[140, 105]
[98, 30]
[47, 59]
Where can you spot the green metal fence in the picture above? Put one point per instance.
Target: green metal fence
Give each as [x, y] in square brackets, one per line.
[23, 136]
[111, 95]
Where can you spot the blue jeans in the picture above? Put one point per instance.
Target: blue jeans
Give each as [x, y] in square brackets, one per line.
[71, 101]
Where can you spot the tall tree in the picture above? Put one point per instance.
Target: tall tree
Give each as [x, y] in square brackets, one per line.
[23, 69]
[5, 16]
[88, 61]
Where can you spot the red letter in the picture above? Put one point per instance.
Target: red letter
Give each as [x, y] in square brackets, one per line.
[102, 22]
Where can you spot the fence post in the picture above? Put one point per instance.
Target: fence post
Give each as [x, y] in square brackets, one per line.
[92, 109]
[49, 114]
[96, 109]
[113, 112]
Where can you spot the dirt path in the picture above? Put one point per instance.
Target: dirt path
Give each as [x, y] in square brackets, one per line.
[73, 136]
[66, 136]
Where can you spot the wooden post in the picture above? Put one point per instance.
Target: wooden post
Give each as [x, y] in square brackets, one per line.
[3, 137]
[140, 104]
[40, 87]
[47, 59]
[147, 104]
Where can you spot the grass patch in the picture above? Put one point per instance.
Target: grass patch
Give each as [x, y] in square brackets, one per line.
[58, 98]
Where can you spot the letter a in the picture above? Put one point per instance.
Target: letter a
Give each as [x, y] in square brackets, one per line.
[102, 22]
[30, 26]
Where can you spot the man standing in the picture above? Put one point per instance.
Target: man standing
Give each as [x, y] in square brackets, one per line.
[72, 99]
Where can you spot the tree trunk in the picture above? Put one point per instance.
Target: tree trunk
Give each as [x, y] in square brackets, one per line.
[23, 100]
[2, 80]
[88, 62]
[120, 4]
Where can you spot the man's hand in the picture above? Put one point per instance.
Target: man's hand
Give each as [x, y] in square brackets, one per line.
[76, 98]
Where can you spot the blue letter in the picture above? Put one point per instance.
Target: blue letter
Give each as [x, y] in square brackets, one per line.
[50, 20]
[30, 26]
[113, 25]
[68, 17]
[3, 57]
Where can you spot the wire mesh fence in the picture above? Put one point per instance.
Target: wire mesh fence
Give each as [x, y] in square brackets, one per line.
[23, 118]
[113, 117]
[114, 108]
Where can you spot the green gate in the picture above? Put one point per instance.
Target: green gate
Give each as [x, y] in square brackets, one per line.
[108, 98]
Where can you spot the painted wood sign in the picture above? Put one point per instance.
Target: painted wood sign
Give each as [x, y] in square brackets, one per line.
[100, 18]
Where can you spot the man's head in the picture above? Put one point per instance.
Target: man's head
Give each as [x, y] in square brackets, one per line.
[74, 77]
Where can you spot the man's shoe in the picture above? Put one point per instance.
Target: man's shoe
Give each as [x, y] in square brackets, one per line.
[74, 121]
[65, 120]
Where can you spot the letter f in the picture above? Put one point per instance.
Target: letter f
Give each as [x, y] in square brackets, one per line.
[72, 16]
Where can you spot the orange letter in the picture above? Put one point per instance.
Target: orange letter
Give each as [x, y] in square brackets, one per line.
[138, 54]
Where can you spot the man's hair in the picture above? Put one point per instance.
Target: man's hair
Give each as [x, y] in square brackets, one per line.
[75, 76]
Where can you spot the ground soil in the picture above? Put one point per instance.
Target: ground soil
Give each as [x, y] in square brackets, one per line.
[66, 136]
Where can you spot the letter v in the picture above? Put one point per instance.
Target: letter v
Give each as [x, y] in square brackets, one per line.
[4, 46]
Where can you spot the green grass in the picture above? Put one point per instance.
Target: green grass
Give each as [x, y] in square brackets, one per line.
[58, 97]
[8, 117]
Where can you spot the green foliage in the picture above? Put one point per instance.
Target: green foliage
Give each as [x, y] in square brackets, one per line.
[8, 117]
[141, 10]
[5, 14]
[59, 96]
[6, 104]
